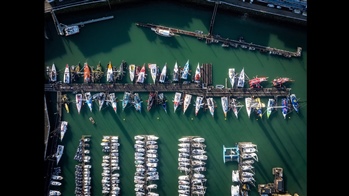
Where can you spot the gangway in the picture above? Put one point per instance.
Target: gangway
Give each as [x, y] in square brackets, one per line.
[81, 24]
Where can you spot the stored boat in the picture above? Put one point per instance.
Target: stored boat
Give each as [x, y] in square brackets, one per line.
[64, 127]
[112, 101]
[88, 100]
[248, 103]
[185, 71]
[55, 183]
[270, 106]
[87, 73]
[241, 79]
[225, 105]
[197, 76]
[284, 107]
[162, 100]
[151, 100]
[163, 32]
[110, 73]
[66, 76]
[137, 103]
[56, 177]
[59, 153]
[210, 105]
[53, 73]
[256, 82]
[153, 71]
[175, 76]
[78, 101]
[125, 99]
[294, 102]
[186, 103]
[162, 77]
[54, 193]
[231, 74]
[131, 70]
[141, 75]
[177, 100]
[198, 104]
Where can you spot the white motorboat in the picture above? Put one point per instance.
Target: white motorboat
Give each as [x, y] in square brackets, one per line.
[235, 190]
[152, 137]
[66, 76]
[78, 101]
[59, 153]
[247, 174]
[210, 105]
[197, 76]
[235, 175]
[153, 71]
[248, 103]
[112, 101]
[225, 106]
[177, 101]
[141, 75]
[249, 156]
[162, 77]
[198, 104]
[241, 79]
[110, 73]
[231, 74]
[186, 102]
[246, 167]
[64, 126]
[163, 32]
[200, 157]
[88, 100]
[131, 70]
[175, 76]
[184, 139]
[185, 71]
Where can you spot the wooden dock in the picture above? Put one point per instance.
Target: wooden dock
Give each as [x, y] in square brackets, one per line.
[191, 88]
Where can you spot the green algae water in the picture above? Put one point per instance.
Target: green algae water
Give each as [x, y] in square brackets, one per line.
[281, 142]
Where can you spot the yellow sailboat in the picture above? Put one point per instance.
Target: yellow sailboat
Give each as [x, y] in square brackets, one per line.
[65, 101]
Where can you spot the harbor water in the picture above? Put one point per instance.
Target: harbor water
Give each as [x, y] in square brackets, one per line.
[281, 142]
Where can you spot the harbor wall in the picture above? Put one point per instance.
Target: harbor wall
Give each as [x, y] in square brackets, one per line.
[243, 8]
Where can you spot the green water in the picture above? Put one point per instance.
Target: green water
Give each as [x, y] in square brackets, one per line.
[281, 142]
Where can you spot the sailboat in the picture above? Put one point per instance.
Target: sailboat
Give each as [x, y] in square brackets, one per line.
[64, 127]
[131, 70]
[241, 79]
[162, 101]
[153, 71]
[270, 106]
[176, 100]
[163, 74]
[87, 73]
[225, 105]
[175, 76]
[137, 103]
[198, 104]
[141, 75]
[231, 75]
[197, 75]
[101, 99]
[78, 101]
[110, 73]
[59, 153]
[255, 82]
[284, 108]
[112, 101]
[294, 102]
[186, 103]
[210, 105]
[53, 73]
[66, 76]
[185, 71]
[125, 99]
[88, 100]
[235, 106]
[248, 103]
[259, 106]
